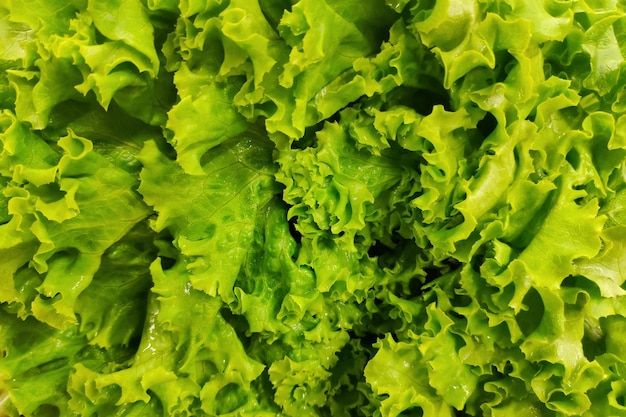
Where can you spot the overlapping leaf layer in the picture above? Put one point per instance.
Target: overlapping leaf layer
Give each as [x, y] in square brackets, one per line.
[312, 208]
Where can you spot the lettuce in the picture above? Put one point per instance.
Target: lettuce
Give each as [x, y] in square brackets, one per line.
[312, 208]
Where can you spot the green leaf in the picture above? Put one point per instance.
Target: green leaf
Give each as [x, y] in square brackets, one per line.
[212, 216]
[569, 231]
[398, 372]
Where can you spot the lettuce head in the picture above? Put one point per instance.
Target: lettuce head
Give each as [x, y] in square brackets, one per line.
[311, 208]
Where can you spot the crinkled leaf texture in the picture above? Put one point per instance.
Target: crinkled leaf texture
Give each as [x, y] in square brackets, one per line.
[312, 208]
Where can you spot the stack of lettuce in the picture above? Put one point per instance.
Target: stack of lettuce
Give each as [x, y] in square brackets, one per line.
[312, 208]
